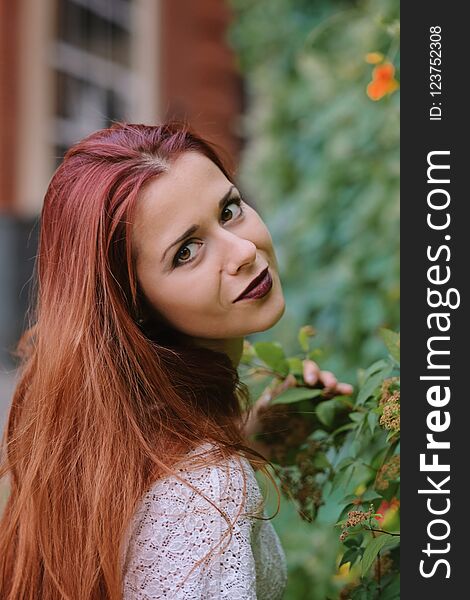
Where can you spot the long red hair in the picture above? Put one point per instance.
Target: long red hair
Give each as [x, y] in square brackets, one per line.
[109, 397]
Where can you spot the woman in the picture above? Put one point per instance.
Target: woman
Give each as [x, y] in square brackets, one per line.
[126, 444]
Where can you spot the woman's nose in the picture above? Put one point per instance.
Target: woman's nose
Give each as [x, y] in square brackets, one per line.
[240, 252]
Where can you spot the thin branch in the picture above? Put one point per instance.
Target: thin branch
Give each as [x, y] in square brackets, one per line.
[381, 531]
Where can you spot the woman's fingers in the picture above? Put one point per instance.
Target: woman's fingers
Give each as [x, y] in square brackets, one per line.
[265, 398]
[314, 376]
[340, 389]
[311, 372]
[328, 380]
[344, 389]
[288, 382]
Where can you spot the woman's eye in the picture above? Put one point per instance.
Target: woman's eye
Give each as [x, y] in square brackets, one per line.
[232, 213]
[184, 254]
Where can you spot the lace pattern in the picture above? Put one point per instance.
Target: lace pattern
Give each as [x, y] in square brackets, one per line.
[174, 528]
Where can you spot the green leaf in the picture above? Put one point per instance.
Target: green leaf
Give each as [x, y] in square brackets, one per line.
[344, 463]
[357, 417]
[320, 461]
[326, 412]
[351, 555]
[392, 435]
[272, 354]
[319, 435]
[295, 394]
[370, 495]
[345, 427]
[305, 333]
[366, 591]
[338, 479]
[372, 383]
[354, 540]
[295, 365]
[372, 420]
[392, 341]
[364, 374]
[392, 590]
[371, 551]
[343, 478]
[315, 354]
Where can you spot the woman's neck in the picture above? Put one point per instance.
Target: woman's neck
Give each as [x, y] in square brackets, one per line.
[233, 347]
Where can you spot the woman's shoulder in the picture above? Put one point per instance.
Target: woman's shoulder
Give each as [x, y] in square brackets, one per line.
[191, 502]
[206, 472]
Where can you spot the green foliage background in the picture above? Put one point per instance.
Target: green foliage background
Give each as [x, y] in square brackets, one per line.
[322, 166]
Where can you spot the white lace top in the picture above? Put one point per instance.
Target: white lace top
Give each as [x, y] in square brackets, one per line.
[174, 527]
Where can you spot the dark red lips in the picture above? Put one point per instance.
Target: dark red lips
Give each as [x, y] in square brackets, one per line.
[263, 278]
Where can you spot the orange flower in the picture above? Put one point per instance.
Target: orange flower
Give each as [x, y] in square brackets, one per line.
[383, 81]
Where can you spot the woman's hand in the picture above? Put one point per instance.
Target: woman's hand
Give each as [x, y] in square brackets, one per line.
[313, 377]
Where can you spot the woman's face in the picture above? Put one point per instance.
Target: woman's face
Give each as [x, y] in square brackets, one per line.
[193, 281]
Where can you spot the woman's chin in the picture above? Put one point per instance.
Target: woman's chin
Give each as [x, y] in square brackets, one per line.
[268, 317]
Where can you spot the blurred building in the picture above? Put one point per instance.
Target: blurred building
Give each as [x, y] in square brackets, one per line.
[69, 67]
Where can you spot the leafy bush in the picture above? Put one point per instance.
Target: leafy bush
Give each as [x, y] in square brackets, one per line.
[339, 456]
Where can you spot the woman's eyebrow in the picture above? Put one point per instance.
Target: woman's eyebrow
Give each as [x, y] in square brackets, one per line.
[191, 230]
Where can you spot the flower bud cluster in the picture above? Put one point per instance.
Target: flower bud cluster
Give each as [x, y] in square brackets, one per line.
[355, 517]
[389, 386]
[389, 471]
[390, 403]
[390, 418]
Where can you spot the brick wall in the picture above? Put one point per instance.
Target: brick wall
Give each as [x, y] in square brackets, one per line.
[9, 18]
[199, 76]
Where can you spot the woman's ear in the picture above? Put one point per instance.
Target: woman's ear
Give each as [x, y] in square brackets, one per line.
[148, 317]
[142, 313]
